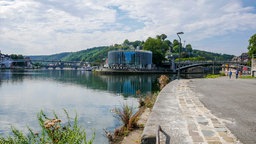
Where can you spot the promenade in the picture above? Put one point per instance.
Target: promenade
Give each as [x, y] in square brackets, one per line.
[199, 111]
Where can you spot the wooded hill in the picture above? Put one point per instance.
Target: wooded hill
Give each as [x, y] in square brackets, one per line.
[98, 55]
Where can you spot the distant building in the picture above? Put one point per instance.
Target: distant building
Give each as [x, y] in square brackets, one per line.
[244, 57]
[5, 61]
[130, 59]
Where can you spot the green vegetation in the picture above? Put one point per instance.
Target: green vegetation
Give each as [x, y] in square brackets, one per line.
[54, 57]
[199, 58]
[212, 56]
[148, 101]
[14, 56]
[126, 115]
[161, 47]
[212, 76]
[52, 132]
[215, 75]
[247, 77]
[252, 45]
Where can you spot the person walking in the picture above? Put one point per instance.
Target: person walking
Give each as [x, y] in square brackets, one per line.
[237, 72]
[230, 74]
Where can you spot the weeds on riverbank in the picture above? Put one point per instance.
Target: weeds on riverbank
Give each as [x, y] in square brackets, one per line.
[130, 120]
[148, 101]
[163, 81]
[52, 132]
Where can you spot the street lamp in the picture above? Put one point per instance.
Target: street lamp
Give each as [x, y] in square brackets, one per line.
[179, 33]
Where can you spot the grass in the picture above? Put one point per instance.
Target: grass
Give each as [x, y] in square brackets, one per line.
[215, 75]
[53, 131]
[148, 101]
[247, 77]
[129, 119]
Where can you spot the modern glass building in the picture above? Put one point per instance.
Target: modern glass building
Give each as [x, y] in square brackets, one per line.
[130, 59]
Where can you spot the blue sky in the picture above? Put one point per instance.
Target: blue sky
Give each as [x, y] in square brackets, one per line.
[39, 27]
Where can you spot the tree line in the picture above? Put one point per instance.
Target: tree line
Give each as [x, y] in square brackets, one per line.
[162, 50]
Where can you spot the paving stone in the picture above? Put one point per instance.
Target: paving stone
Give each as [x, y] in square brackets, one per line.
[193, 133]
[192, 127]
[229, 139]
[197, 139]
[200, 126]
[226, 137]
[221, 129]
[202, 120]
[214, 142]
[208, 133]
[212, 138]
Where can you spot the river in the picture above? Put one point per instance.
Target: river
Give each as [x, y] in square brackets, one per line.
[24, 93]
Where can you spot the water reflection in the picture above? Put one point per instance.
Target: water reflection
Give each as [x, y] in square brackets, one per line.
[24, 93]
[126, 85]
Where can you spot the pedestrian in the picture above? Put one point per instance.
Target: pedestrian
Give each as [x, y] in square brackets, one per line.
[230, 74]
[237, 72]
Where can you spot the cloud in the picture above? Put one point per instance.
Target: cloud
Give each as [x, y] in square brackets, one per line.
[52, 26]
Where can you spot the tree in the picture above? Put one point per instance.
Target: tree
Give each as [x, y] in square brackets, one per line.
[252, 45]
[15, 56]
[189, 48]
[126, 42]
[158, 46]
[175, 46]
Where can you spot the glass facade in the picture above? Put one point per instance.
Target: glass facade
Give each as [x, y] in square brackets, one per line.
[130, 59]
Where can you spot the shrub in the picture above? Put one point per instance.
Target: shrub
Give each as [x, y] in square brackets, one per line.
[126, 116]
[213, 75]
[52, 132]
[163, 81]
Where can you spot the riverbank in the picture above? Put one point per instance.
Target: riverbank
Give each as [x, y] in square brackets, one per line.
[204, 111]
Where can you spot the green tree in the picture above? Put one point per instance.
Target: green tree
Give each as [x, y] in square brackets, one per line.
[252, 45]
[126, 42]
[175, 46]
[158, 46]
[189, 48]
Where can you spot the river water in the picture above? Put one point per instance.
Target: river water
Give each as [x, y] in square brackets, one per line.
[24, 93]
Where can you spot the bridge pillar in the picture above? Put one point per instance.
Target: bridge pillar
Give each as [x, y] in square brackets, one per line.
[253, 67]
[173, 66]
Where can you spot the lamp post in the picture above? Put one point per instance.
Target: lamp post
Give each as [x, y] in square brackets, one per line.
[179, 33]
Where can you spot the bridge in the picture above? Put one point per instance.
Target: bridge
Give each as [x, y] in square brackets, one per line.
[60, 64]
[53, 64]
[184, 65]
[188, 64]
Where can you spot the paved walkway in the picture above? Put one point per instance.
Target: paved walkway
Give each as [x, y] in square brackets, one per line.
[184, 119]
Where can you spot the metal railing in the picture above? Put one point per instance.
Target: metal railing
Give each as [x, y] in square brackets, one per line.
[159, 129]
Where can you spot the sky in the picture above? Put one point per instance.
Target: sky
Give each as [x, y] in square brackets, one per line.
[44, 27]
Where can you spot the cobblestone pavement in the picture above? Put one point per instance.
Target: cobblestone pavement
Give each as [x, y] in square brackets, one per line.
[233, 100]
[202, 125]
[184, 119]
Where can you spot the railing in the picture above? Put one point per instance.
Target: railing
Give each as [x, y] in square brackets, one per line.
[159, 129]
[186, 64]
